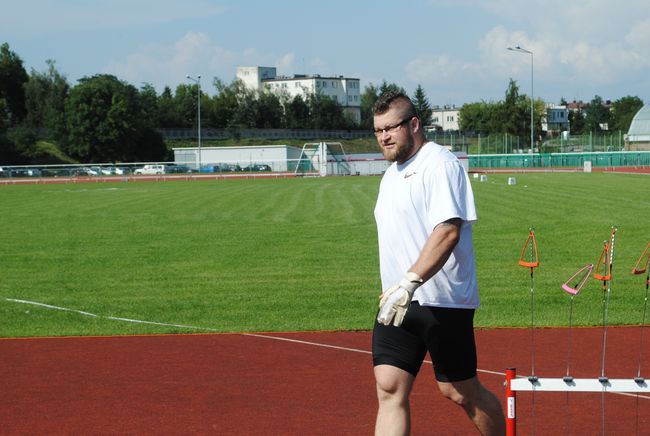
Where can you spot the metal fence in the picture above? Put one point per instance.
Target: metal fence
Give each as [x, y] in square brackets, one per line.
[504, 143]
[209, 133]
[561, 160]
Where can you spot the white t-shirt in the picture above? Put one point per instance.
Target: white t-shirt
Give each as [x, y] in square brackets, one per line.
[414, 197]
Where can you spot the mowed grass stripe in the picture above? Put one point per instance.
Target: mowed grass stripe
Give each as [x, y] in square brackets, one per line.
[293, 254]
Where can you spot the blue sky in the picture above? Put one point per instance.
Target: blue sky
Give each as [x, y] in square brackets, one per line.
[456, 49]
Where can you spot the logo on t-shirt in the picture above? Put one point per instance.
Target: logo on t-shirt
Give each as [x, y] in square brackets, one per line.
[407, 175]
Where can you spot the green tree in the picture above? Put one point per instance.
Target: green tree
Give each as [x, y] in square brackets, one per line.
[576, 122]
[168, 113]
[296, 112]
[422, 106]
[623, 111]
[149, 101]
[514, 113]
[477, 117]
[326, 113]
[223, 105]
[385, 86]
[106, 122]
[245, 114]
[597, 115]
[8, 153]
[269, 111]
[368, 98]
[185, 101]
[12, 80]
[45, 96]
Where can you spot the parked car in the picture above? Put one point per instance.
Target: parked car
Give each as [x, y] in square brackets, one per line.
[111, 171]
[82, 171]
[175, 169]
[150, 169]
[229, 168]
[24, 172]
[257, 167]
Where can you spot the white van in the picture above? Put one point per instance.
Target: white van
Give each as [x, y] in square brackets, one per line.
[151, 169]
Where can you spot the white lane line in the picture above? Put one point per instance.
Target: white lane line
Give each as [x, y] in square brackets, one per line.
[316, 344]
[49, 306]
[137, 321]
[114, 318]
[277, 338]
[336, 347]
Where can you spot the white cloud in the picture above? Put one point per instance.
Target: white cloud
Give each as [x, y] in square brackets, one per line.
[45, 16]
[161, 65]
[285, 64]
[194, 53]
[638, 37]
[427, 70]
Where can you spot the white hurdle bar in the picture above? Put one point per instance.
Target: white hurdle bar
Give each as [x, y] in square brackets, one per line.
[565, 384]
[580, 385]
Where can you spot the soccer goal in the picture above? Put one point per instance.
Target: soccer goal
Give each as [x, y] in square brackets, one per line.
[323, 159]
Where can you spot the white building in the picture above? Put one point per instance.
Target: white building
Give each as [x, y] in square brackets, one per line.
[346, 91]
[445, 118]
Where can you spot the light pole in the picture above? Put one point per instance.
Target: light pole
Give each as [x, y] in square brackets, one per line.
[532, 98]
[198, 116]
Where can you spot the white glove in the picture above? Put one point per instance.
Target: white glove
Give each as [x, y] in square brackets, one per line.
[396, 300]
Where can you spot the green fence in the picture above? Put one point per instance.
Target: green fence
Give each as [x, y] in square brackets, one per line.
[560, 160]
[504, 143]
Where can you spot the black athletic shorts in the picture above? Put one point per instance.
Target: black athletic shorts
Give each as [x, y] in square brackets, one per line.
[446, 333]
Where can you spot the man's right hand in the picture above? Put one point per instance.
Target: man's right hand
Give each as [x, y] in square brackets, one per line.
[396, 300]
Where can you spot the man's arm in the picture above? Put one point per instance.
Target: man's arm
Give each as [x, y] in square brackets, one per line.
[438, 248]
[395, 301]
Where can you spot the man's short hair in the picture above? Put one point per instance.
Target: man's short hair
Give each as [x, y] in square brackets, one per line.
[386, 99]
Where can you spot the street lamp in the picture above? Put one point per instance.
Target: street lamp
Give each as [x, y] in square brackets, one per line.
[198, 116]
[532, 98]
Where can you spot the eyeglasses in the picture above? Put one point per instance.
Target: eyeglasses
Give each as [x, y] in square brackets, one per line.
[394, 128]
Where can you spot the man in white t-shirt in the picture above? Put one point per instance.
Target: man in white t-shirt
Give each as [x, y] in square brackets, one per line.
[424, 213]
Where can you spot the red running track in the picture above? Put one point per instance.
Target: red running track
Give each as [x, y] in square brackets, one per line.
[292, 384]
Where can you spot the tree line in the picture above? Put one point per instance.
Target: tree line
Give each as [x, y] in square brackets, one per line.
[512, 115]
[43, 119]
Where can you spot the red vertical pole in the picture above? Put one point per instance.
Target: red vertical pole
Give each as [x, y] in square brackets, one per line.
[511, 424]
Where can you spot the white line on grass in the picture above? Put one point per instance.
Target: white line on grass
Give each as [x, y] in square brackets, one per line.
[114, 318]
[49, 306]
[277, 338]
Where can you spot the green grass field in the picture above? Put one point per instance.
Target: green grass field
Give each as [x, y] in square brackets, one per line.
[293, 254]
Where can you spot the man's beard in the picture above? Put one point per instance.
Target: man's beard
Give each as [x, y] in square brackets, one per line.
[400, 154]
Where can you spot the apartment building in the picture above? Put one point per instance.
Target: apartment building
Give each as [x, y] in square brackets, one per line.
[346, 91]
[444, 118]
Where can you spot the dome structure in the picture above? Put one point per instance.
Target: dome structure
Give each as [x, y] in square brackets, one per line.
[640, 127]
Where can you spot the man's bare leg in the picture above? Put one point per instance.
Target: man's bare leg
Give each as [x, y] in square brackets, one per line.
[481, 405]
[393, 390]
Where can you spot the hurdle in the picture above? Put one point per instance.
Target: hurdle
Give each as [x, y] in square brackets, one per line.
[565, 384]
[602, 384]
